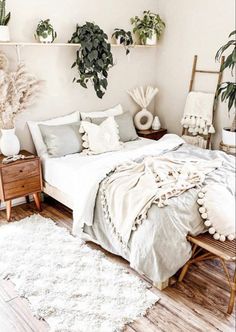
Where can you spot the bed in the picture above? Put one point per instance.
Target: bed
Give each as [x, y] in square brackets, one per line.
[158, 247]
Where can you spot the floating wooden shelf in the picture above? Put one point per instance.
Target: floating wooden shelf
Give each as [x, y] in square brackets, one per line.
[62, 44]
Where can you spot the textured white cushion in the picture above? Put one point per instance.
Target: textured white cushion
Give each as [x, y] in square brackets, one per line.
[218, 211]
[39, 144]
[117, 110]
[100, 138]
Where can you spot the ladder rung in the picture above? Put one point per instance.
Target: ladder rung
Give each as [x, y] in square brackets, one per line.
[207, 71]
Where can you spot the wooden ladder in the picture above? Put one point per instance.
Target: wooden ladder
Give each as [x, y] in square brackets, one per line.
[219, 80]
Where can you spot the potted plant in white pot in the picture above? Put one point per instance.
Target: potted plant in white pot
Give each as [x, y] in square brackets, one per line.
[227, 90]
[17, 92]
[4, 19]
[45, 32]
[149, 27]
[124, 38]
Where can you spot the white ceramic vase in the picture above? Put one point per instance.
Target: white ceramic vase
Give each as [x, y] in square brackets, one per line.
[9, 143]
[228, 137]
[143, 119]
[156, 125]
[4, 33]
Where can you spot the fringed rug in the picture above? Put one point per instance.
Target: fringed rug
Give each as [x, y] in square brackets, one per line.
[73, 287]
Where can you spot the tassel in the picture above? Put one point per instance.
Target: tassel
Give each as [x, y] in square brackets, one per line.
[202, 124]
[198, 122]
[191, 130]
[212, 130]
[193, 121]
[205, 132]
[200, 130]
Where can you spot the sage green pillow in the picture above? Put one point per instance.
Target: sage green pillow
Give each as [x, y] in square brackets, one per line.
[62, 140]
[125, 123]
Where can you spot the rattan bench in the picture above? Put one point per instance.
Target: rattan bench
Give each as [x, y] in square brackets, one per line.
[205, 247]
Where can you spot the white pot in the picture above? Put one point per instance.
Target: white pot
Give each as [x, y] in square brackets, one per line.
[228, 137]
[151, 41]
[9, 142]
[47, 40]
[118, 40]
[143, 119]
[4, 33]
[156, 125]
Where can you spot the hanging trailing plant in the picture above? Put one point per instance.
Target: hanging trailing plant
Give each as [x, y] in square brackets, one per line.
[94, 57]
[124, 38]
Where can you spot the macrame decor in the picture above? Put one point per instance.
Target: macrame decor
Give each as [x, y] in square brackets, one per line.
[143, 119]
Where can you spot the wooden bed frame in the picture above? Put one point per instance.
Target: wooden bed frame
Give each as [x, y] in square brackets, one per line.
[67, 201]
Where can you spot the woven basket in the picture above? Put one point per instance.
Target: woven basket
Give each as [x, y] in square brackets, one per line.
[230, 149]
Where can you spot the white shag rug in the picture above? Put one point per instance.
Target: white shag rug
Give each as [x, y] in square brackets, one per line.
[73, 287]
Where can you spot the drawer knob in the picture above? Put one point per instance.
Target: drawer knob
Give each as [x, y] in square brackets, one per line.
[23, 186]
[21, 170]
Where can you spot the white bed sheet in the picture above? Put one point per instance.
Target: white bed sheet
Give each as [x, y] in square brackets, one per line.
[61, 172]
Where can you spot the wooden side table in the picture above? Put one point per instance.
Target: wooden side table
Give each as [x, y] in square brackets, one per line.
[20, 179]
[152, 134]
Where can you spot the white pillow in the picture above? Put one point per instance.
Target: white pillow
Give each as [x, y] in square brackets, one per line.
[218, 211]
[39, 144]
[100, 138]
[117, 110]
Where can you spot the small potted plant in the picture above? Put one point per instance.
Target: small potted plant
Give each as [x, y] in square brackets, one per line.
[4, 19]
[149, 27]
[227, 90]
[45, 32]
[124, 38]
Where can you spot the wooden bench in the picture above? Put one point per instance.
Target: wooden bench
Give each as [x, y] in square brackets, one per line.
[205, 247]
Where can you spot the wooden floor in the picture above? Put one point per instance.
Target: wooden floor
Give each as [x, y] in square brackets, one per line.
[197, 304]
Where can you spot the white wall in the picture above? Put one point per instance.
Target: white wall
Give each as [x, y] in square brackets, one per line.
[193, 27]
[53, 64]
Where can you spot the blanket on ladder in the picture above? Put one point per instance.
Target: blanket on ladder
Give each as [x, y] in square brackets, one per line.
[131, 188]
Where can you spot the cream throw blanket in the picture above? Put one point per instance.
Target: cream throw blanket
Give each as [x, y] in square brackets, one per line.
[197, 116]
[130, 190]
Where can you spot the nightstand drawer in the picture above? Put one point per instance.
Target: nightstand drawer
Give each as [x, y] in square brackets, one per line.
[20, 171]
[22, 187]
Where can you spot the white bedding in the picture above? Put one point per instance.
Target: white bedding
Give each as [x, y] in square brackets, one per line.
[62, 172]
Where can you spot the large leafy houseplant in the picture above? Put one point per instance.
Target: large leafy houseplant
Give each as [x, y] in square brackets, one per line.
[227, 90]
[94, 57]
[148, 26]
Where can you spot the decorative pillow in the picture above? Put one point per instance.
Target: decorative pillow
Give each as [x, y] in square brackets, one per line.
[100, 138]
[125, 123]
[103, 114]
[62, 140]
[218, 211]
[39, 144]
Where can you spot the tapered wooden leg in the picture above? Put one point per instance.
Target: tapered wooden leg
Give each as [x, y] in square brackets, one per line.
[232, 295]
[184, 271]
[8, 206]
[37, 200]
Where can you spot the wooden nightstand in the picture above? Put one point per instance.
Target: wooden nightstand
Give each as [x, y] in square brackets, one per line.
[20, 178]
[152, 134]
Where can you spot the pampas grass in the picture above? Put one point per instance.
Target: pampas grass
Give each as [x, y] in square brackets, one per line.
[18, 91]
